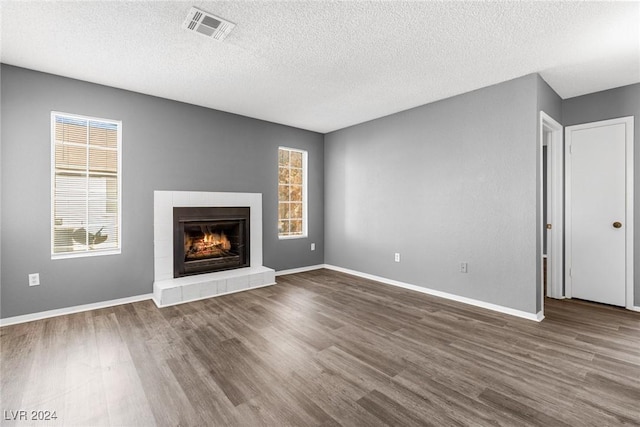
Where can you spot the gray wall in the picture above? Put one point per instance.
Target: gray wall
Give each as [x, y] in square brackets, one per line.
[447, 182]
[610, 104]
[167, 145]
[466, 169]
[549, 101]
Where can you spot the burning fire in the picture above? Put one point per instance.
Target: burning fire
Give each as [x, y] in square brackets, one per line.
[216, 239]
[207, 244]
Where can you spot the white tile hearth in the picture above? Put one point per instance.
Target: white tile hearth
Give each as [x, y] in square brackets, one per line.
[200, 286]
[168, 290]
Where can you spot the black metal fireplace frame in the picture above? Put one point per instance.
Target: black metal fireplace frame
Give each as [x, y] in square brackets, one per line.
[185, 215]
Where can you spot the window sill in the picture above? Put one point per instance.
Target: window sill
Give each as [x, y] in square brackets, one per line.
[86, 254]
[302, 236]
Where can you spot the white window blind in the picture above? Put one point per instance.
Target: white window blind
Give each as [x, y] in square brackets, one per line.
[86, 183]
[292, 193]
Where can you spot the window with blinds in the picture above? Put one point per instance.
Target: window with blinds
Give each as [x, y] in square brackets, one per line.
[292, 193]
[86, 183]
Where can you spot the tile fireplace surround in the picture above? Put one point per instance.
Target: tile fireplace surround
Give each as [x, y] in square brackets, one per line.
[169, 291]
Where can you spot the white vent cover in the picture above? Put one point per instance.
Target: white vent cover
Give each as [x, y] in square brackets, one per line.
[207, 24]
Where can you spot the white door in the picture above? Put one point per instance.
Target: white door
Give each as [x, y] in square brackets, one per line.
[597, 221]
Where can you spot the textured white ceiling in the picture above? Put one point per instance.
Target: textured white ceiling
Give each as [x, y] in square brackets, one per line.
[325, 65]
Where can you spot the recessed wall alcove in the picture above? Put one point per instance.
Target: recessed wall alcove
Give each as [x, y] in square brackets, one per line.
[170, 290]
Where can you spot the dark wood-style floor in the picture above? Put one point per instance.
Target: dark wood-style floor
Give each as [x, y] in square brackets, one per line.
[325, 348]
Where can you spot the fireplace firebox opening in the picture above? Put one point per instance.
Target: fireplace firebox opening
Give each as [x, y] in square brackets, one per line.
[209, 239]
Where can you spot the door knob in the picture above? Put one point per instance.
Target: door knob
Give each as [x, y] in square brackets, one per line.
[617, 224]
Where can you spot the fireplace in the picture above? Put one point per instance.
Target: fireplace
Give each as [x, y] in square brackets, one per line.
[210, 239]
[168, 289]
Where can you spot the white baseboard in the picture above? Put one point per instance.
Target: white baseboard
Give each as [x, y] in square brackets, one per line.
[635, 308]
[104, 304]
[71, 310]
[300, 270]
[499, 308]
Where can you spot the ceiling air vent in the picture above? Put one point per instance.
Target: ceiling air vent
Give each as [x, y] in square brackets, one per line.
[207, 24]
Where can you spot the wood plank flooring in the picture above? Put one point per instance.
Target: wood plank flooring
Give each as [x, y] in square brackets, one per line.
[324, 349]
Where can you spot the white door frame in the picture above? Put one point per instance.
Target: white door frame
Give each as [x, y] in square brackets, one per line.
[628, 122]
[555, 203]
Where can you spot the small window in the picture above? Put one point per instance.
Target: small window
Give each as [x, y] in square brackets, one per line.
[292, 193]
[85, 185]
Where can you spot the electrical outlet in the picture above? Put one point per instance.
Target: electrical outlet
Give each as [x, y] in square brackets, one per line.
[463, 267]
[396, 257]
[34, 279]
[313, 246]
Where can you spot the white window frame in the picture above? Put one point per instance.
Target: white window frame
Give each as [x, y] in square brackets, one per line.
[88, 252]
[305, 205]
